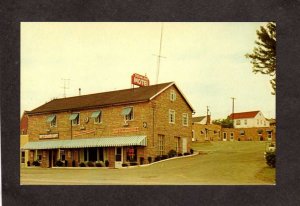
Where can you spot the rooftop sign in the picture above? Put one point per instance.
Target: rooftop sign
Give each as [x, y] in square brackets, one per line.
[139, 80]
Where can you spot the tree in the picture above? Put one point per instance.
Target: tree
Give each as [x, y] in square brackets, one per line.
[225, 123]
[263, 57]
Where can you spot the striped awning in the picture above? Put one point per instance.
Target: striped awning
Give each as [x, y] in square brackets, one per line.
[91, 142]
[51, 118]
[73, 116]
[95, 114]
[126, 111]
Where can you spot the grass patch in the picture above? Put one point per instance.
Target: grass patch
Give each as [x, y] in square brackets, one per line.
[267, 174]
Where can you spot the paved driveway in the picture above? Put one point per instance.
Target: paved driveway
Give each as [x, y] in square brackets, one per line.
[219, 163]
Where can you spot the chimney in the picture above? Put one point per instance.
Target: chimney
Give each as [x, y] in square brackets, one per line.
[208, 119]
[79, 91]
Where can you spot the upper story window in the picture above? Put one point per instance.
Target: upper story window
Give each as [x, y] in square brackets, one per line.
[172, 95]
[171, 116]
[245, 121]
[127, 112]
[97, 117]
[238, 122]
[185, 119]
[74, 118]
[52, 120]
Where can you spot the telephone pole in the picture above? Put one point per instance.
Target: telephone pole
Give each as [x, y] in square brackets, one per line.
[233, 98]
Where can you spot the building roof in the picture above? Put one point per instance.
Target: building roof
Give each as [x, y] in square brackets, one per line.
[105, 99]
[198, 119]
[243, 115]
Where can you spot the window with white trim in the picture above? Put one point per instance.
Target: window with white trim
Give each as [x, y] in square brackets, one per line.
[172, 95]
[185, 120]
[238, 122]
[52, 120]
[231, 135]
[171, 116]
[97, 117]
[127, 112]
[161, 144]
[75, 119]
[245, 122]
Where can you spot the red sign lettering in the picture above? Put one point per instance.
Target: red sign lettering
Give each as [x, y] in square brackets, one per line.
[139, 80]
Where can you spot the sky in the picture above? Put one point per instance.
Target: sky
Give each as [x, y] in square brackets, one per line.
[205, 60]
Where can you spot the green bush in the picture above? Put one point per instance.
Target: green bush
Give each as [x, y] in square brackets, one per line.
[36, 163]
[90, 164]
[124, 165]
[59, 163]
[106, 163]
[98, 164]
[81, 164]
[172, 153]
[271, 159]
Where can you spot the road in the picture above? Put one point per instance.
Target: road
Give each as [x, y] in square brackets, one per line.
[218, 163]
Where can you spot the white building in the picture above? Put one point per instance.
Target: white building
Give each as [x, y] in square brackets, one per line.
[249, 119]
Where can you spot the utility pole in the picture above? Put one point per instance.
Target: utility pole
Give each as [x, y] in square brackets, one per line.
[66, 86]
[233, 111]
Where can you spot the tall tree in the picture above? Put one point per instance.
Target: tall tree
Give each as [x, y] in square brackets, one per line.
[263, 57]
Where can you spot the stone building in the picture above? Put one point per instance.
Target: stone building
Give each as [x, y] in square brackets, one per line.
[119, 126]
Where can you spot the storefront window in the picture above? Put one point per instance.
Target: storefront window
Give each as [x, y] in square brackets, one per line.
[90, 154]
[62, 155]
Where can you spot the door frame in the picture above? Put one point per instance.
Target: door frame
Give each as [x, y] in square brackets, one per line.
[118, 164]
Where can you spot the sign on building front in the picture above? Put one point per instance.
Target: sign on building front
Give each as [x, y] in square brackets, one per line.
[48, 136]
[139, 80]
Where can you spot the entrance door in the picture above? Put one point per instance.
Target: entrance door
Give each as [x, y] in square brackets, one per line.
[184, 145]
[119, 157]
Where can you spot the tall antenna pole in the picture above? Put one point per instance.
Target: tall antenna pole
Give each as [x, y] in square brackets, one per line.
[66, 86]
[233, 110]
[159, 55]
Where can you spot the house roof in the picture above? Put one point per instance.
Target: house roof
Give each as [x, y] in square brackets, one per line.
[119, 97]
[243, 115]
[198, 119]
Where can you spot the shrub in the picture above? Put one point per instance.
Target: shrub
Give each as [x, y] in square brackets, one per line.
[98, 164]
[141, 160]
[59, 163]
[172, 153]
[36, 163]
[28, 163]
[191, 151]
[90, 164]
[106, 163]
[157, 158]
[179, 154]
[186, 153]
[73, 163]
[133, 163]
[81, 164]
[163, 157]
[124, 165]
[271, 159]
[149, 160]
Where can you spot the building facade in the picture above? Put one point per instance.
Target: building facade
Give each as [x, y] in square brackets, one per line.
[122, 126]
[204, 130]
[23, 139]
[249, 119]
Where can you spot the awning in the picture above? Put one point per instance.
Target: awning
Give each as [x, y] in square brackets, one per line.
[126, 111]
[91, 142]
[95, 114]
[51, 118]
[73, 116]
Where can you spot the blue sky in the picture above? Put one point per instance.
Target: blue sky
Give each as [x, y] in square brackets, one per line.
[206, 60]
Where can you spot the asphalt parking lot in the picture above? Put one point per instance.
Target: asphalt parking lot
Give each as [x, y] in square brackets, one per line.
[218, 163]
